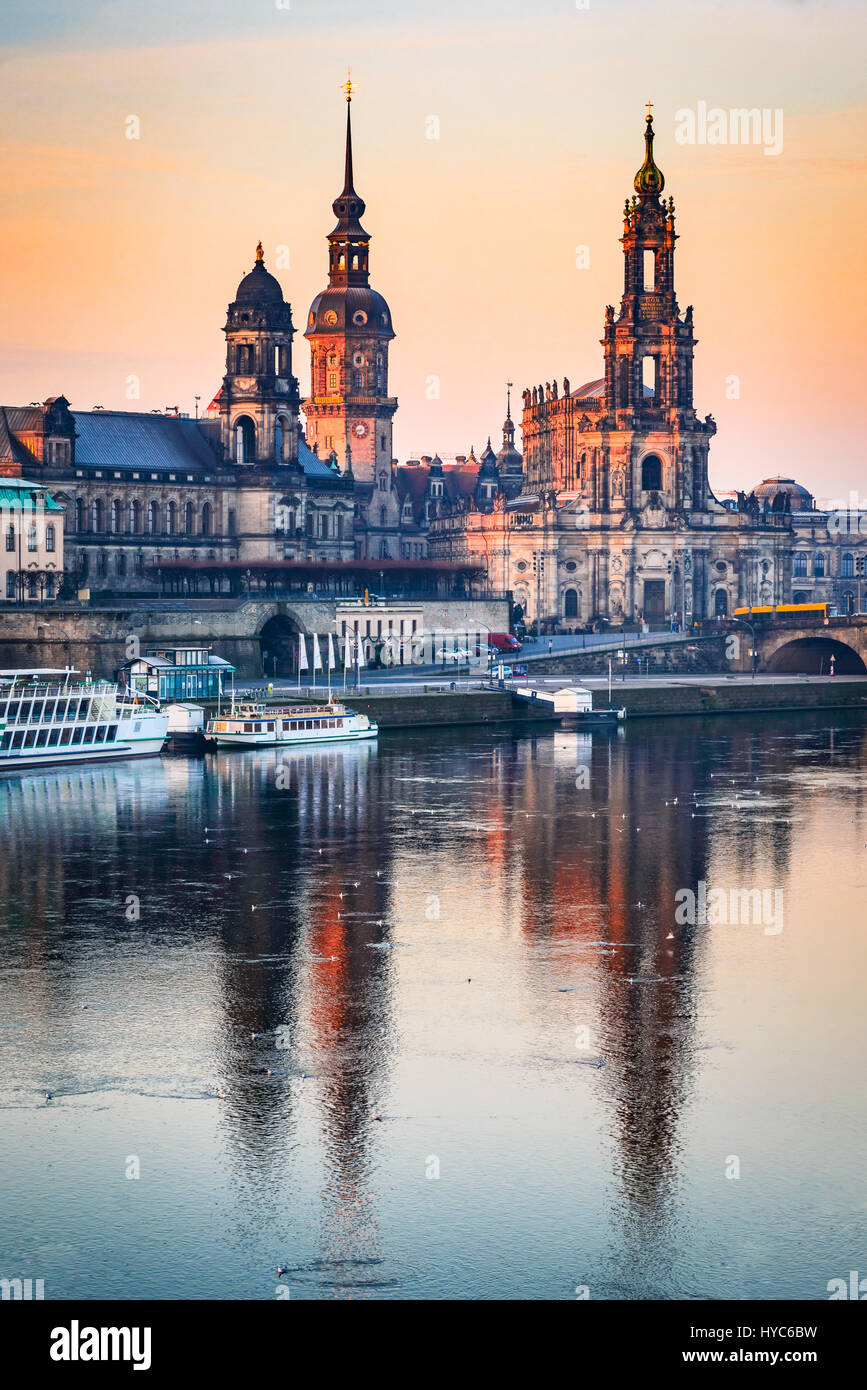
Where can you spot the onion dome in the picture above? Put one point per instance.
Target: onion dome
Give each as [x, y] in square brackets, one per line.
[649, 181]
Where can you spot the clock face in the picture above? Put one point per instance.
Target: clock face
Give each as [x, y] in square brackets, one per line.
[331, 318]
[360, 430]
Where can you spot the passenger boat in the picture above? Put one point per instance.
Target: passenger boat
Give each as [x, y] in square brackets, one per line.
[50, 716]
[258, 726]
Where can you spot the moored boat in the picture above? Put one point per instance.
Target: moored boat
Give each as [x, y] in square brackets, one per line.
[265, 726]
[50, 716]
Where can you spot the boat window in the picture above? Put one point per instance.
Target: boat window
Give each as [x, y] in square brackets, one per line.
[112, 733]
[248, 727]
[100, 733]
[5, 742]
[90, 734]
[78, 734]
[17, 739]
[26, 706]
[30, 738]
[53, 737]
[65, 735]
[271, 726]
[13, 709]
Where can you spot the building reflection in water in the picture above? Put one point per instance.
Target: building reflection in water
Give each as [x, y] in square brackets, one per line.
[276, 884]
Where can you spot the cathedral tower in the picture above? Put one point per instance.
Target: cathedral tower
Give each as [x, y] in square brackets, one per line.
[349, 329]
[649, 357]
[259, 400]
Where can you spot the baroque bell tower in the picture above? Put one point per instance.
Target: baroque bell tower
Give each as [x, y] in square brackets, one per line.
[349, 410]
[649, 347]
[259, 399]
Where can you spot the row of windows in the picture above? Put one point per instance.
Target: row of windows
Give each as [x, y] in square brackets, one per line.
[33, 585]
[849, 565]
[57, 737]
[62, 709]
[32, 537]
[135, 519]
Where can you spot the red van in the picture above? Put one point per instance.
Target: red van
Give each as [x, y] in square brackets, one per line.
[503, 642]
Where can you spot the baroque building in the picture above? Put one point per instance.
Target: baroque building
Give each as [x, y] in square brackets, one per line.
[616, 521]
[608, 517]
[349, 412]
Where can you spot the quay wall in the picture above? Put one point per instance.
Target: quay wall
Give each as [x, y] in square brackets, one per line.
[100, 640]
[742, 697]
[703, 656]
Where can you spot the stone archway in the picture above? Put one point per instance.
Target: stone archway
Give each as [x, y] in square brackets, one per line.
[811, 656]
[278, 641]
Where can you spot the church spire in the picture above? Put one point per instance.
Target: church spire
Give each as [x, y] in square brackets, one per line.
[348, 87]
[649, 181]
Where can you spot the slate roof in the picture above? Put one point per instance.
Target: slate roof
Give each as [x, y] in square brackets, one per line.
[149, 443]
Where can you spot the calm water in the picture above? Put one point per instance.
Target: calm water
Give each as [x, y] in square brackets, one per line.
[471, 937]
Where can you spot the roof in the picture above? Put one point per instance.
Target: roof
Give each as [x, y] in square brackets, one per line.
[18, 493]
[153, 443]
[313, 466]
[590, 388]
[145, 442]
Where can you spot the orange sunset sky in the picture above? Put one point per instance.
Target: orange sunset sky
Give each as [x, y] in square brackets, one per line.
[119, 256]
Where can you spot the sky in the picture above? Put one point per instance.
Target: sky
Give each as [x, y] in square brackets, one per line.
[120, 255]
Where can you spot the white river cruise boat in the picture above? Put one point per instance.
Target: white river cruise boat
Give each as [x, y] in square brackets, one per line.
[54, 716]
[258, 726]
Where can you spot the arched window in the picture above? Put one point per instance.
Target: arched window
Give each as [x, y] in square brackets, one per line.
[819, 566]
[189, 520]
[382, 516]
[115, 522]
[231, 522]
[153, 518]
[651, 473]
[570, 604]
[720, 603]
[98, 515]
[31, 536]
[120, 562]
[135, 518]
[383, 550]
[10, 536]
[79, 514]
[338, 526]
[245, 440]
[49, 537]
[800, 570]
[206, 519]
[383, 482]
[282, 439]
[171, 518]
[847, 566]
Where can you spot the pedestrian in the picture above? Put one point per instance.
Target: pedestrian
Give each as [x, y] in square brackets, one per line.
[550, 646]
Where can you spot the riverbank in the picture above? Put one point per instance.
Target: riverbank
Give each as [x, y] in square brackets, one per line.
[421, 707]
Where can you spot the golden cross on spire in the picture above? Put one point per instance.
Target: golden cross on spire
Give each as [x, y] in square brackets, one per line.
[349, 86]
[649, 106]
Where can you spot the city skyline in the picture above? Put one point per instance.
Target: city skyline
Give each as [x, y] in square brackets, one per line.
[474, 234]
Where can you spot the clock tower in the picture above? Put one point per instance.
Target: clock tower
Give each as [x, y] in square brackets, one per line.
[349, 329]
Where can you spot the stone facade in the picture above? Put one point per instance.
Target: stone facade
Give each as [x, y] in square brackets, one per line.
[616, 520]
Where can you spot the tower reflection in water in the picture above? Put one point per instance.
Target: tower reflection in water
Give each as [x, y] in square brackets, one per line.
[372, 954]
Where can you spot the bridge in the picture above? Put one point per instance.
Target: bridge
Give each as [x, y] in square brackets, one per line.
[804, 644]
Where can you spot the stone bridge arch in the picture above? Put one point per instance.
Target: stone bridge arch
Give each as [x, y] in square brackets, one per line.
[810, 654]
